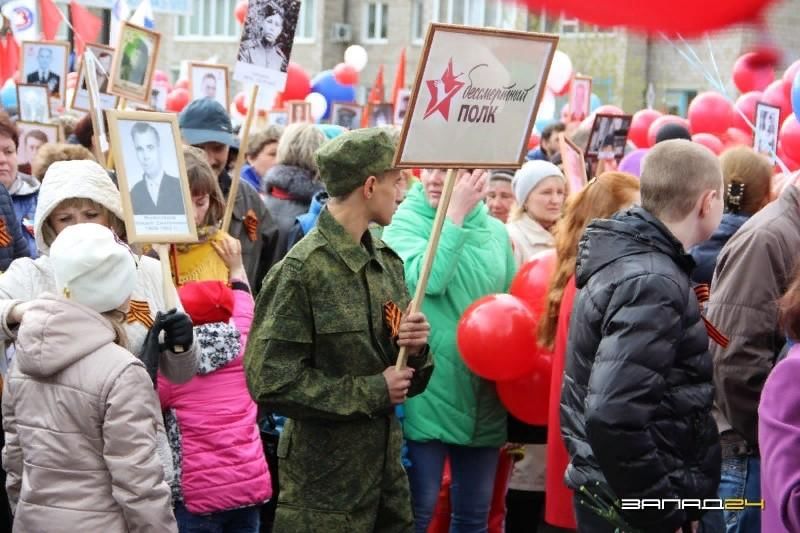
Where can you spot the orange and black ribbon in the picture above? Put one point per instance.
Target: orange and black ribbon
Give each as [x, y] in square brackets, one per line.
[251, 224]
[703, 293]
[393, 316]
[139, 311]
[5, 237]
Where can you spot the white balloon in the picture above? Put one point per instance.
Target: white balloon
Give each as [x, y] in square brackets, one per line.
[318, 105]
[356, 57]
[560, 72]
[547, 107]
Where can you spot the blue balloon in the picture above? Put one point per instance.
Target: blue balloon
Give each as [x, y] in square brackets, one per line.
[594, 102]
[325, 84]
[796, 96]
[8, 95]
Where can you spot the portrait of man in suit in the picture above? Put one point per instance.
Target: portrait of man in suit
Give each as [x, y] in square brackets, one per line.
[157, 193]
[43, 75]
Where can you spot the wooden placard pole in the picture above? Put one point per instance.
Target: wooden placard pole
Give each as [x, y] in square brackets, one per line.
[123, 102]
[166, 274]
[237, 167]
[430, 255]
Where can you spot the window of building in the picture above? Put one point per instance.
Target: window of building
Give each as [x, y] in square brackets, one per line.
[570, 26]
[501, 14]
[491, 13]
[306, 21]
[376, 22]
[209, 19]
[418, 25]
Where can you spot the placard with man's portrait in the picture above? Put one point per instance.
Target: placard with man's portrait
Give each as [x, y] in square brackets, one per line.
[209, 81]
[32, 135]
[45, 63]
[135, 62]
[105, 61]
[32, 102]
[152, 177]
[346, 115]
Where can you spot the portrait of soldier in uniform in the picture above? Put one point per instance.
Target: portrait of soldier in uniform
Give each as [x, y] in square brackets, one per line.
[268, 34]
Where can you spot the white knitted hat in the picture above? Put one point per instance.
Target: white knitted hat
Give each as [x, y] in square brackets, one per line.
[92, 267]
[530, 175]
[74, 179]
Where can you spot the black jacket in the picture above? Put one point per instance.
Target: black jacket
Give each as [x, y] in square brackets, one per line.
[12, 240]
[705, 254]
[637, 394]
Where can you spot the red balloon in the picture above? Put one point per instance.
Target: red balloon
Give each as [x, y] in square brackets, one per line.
[496, 337]
[182, 83]
[790, 137]
[527, 398]
[662, 121]
[177, 100]
[746, 103]
[709, 141]
[298, 84]
[788, 77]
[710, 112]
[751, 74]
[640, 125]
[345, 74]
[673, 17]
[240, 100]
[736, 137]
[776, 95]
[240, 11]
[533, 279]
[608, 109]
[160, 75]
[790, 163]
[533, 141]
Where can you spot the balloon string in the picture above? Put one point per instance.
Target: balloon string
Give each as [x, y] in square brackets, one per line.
[716, 68]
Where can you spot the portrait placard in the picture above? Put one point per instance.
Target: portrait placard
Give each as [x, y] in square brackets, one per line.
[608, 137]
[765, 140]
[207, 80]
[33, 102]
[32, 135]
[278, 117]
[580, 98]
[152, 177]
[105, 61]
[266, 43]
[380, 114]
[573, 164]
[401, 107]
[45, 63]
[135, 62]
[299, 111]
[475, 98]
[346, 115]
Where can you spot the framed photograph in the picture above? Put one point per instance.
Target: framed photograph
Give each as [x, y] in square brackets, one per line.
[380, 114]
[45, 63]
[346, 115]
[475, 98]
[403, 99]
[135, 62]
[105, 61]
[266, 42]
[158, 97]
[32, 135]
[152, 177]
[299, 111]
[33, 103]
[765, 140]
[573, 163]
[209, 81]
[580, 98]
[608, 137]
[278, 117]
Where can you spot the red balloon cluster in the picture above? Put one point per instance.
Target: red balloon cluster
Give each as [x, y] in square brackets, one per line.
[240, 11]
[640, 126]
[746, 104]
[710, 112]
[779, 95]
[751, 74]
[345, 74]
[182, 83]
[298, 84]
[711, 142]
[177, 99]
[662, 121]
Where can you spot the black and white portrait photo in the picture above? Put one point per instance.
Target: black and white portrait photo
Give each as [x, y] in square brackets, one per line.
[346, 115]
[609, 134]
[278, 117]
[32, 136]
[45, 63]
[403, 99]
[380, 115]
[104, 61]
[149, 161]
[134, 63]
[299, 111]
[209, 81]
[767, 127]
[266, 42]
[32, 101]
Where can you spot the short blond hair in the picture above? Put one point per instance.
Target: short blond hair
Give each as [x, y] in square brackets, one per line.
[674, 175]
[51, 152]
[298, 144]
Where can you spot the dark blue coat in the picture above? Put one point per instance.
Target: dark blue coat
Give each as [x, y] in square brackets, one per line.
[18, 245]
[705, 254]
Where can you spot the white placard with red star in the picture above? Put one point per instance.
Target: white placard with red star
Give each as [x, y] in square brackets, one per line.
[475, 98]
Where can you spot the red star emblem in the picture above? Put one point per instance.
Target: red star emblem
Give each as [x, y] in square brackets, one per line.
[442, 92]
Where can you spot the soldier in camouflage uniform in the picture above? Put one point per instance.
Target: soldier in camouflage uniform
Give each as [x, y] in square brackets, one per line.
[325, 338]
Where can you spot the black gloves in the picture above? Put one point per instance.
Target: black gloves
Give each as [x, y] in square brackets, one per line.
[178, 332]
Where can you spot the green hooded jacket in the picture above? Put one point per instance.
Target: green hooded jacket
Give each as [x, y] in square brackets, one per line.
[472, 261]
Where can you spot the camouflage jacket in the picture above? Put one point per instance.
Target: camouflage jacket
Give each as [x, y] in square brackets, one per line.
[321, 340]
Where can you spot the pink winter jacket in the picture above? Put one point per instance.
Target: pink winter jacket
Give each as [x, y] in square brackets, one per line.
[222, 464]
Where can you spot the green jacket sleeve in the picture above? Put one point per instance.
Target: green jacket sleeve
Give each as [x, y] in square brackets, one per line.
[279, 360]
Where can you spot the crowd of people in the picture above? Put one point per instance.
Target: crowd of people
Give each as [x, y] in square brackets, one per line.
[259, 391]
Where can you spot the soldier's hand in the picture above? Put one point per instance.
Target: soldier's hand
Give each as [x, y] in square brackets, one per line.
[398, 382]
[413, 332]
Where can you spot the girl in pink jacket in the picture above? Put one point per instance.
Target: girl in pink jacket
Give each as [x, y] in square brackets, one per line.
[220, 470]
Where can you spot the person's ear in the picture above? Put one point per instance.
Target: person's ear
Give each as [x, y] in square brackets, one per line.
[706, 201]
[369, 187]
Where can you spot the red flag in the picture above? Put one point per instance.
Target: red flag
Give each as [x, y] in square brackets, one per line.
[399, 77]
[376, 95]
[9, 57]
[86, 26]
[51, 19]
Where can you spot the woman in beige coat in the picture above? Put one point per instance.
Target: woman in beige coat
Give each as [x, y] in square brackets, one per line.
[79, 411]
[540, 190]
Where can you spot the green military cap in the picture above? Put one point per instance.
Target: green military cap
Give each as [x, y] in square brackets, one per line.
[347, 161]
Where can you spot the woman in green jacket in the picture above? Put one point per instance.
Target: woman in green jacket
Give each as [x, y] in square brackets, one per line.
[459, 416]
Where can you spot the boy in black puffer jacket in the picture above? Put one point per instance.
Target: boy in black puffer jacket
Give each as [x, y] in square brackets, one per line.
[637, 394]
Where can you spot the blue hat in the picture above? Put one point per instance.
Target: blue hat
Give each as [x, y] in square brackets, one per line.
[205, 120]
